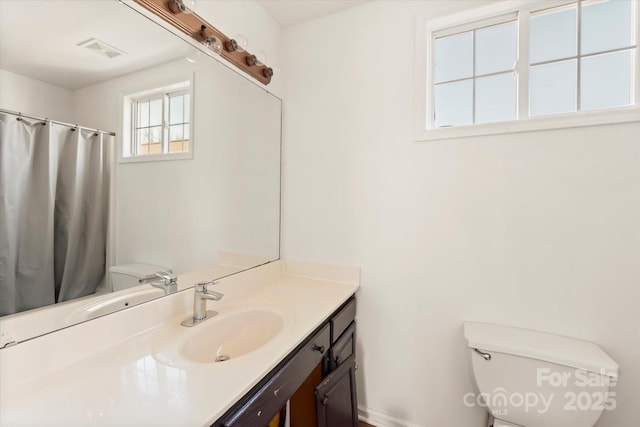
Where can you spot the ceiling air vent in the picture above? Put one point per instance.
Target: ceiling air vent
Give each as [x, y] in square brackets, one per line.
[102, 48]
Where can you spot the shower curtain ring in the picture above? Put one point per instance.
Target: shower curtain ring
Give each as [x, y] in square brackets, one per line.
[73, 129]
[19, 118]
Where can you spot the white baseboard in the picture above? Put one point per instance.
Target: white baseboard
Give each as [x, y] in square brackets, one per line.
[379, 419]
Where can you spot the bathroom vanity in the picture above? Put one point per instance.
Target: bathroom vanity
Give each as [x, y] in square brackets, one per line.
[140, 367]
[325, 363]
[285, 330]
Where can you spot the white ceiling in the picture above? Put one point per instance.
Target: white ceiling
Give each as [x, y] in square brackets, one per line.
[293, 12]
[39, 39]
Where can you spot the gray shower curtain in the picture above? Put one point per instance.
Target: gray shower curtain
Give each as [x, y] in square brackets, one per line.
[54, 193]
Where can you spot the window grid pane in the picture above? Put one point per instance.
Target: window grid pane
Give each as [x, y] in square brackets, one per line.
[495, 99]
[143, 114]
[606, 80]
[553, 34]
[179, 124]
[151, 134]
[552, 88]
[580, 56]
[489, 51]
[454, 57]
[454, 103]
[142, 141]
[606, 25]
[176, 109]
[155, 112]
[495, 48]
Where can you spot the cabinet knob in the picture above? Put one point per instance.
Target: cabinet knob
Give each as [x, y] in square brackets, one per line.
[325, 400]
[319, 348]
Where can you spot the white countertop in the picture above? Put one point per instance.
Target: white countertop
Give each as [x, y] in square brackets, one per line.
[104, 372]
[32, 323]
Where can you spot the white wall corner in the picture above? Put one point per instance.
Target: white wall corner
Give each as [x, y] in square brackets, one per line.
[332, 273]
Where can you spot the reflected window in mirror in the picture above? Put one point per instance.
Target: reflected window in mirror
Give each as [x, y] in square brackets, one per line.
[157, 124]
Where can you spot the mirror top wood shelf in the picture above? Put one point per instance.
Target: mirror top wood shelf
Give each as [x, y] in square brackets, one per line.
[191, 24]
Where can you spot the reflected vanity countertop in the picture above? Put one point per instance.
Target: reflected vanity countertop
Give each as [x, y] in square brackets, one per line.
[28, 324]
[107, 371]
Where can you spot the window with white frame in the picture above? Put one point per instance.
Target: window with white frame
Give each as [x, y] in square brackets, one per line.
[158, 123]
[474, 79]
[530, 61]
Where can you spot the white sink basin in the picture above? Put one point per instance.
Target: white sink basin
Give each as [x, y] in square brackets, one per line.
[238, 330]
[114, 302]
[231, 336]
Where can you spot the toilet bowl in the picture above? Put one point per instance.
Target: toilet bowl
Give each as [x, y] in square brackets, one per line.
[533, 379]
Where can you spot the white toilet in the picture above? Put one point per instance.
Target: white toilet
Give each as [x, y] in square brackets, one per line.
[125, 276]
[533, 379]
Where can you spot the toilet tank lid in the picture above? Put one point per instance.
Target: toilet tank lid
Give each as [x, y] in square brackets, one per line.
[138, 270]
[552, 348]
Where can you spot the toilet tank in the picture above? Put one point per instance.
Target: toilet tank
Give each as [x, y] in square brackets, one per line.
[125, 276]
[536, 379]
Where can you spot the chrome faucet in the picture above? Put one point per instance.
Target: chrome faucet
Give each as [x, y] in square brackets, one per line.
[200, 297]
[162, 280]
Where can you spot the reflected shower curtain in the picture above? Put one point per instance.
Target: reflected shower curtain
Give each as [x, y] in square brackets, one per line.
[54, 193]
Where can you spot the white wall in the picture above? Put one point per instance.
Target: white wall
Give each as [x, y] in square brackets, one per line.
[539, 230]
[34, 97]
[181, 213]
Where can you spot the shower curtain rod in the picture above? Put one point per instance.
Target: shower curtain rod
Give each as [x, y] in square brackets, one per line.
[41, 119]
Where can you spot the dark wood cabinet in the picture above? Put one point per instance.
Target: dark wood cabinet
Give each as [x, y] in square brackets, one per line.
[282, 384]
[336, 401]
[335, 395]
[318, 378]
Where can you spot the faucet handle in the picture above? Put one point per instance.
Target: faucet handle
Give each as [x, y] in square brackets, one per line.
[202, 286]
[167, 276]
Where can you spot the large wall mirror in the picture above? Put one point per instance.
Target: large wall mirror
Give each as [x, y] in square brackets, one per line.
[214, 207]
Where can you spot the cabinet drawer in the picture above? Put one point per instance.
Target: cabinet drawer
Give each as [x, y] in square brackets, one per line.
[341, 321]
[273, 395]
[344, 348]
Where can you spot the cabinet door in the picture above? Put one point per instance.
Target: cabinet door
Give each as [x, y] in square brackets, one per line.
[336, 400]
[344, 348]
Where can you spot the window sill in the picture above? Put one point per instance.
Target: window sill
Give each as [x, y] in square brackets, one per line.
[561, 121]
[156, 158]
